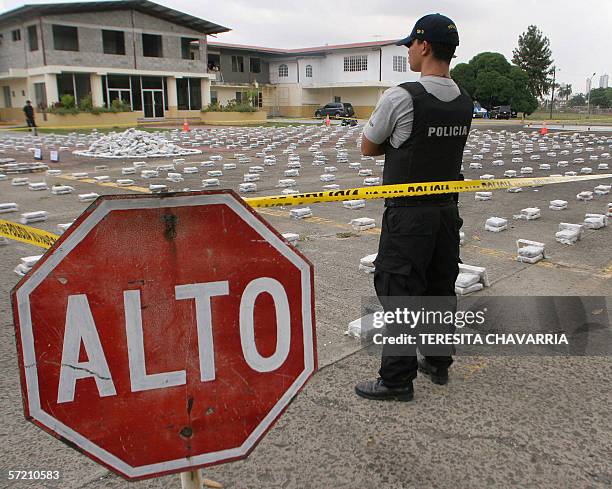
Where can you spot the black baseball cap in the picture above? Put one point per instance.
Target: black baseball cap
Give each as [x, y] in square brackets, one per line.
[433, 28]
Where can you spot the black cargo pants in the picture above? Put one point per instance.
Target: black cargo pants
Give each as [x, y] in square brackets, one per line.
[418, 256]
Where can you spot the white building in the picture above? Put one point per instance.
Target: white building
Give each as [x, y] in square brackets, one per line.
[300, 80]
[603, 81]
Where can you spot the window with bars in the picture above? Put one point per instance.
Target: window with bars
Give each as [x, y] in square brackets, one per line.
[283, 70]
[308, 71]
[399, 63]
[357, 62]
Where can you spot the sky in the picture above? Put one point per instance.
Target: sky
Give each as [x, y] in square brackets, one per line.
[579, 31]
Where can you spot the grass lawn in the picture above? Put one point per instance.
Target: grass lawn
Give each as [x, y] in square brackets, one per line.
[570, 117]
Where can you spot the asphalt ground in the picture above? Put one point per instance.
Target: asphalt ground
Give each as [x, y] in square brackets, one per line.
[500, 422]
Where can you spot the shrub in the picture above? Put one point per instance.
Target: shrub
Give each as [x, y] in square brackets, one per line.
[86, 103]
[230, 106]
[67, 101]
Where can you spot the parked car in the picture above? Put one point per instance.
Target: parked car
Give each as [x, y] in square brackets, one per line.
[335, 109]
[479, 111]
[513, 113]
[501, 112]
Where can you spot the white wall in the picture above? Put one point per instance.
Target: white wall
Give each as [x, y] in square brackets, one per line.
[394, 77]
[292, 78]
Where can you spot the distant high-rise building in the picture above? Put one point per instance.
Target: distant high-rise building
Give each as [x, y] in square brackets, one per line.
[603, 81]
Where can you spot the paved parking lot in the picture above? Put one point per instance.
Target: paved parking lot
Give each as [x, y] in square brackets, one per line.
[501, 421]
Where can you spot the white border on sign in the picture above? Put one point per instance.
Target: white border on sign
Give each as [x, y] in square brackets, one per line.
[27, 337]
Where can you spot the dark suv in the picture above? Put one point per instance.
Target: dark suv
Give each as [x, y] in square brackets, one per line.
[501, 112]
[335, 109]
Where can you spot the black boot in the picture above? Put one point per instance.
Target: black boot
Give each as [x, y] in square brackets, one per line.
[438, 375]
[378, 391]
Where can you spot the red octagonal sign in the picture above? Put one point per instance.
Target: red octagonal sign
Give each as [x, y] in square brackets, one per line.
[161, 334]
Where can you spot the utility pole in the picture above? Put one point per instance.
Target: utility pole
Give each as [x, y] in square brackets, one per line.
[552, 93]
[589, 97]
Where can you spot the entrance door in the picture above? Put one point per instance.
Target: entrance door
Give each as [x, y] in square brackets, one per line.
[153, 103]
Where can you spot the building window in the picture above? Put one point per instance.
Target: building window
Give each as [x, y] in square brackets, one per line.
[238, 64]
[255, 65]
[118, 87]
[308, 71]
[239, 97]
[152, 46]
[75, 84]
[337, 99]
[65, 38]
[113, 42]
[40, 95]
[186, 47]
[260, 99]
[8, 102]
[33, 38]
[16, 35]
[399, 64]
[189, 93]
[283, 70]
[214, 97]
[357, 62]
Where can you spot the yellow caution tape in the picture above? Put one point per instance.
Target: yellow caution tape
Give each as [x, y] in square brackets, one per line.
[27, 234]
[44, 239]
[412, 190]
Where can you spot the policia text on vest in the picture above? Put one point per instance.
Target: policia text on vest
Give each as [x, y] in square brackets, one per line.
[448, 131]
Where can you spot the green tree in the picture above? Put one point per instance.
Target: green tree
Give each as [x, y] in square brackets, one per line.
[564, 92]
[601, 97]
[533, 54]
[578, 100]
[491, 80]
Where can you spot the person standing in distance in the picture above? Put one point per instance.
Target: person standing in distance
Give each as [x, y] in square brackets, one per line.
[28, 110]
[421, 128]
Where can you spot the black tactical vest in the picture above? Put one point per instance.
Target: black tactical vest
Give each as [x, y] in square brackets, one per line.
[434, 150]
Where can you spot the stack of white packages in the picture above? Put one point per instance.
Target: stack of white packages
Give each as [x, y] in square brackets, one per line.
[530, 251]
[80, 175]
[208, 164]
[61, 189]
[149, 174]
[595, 221]
[353, 204]
[496, 224]
[602, 189]
[247, 187]
[226, 166]
[603, 166]
[514, 190]
[158, 188]
[510, 173]
[355, 166]
[609, 213]
[366, 172]
[475, 166]
[36, 216]
[62, 227]
[286, 182]
[331, 186]
[214, 173]
[585, 196]
[128, 170]
[569, 233]
[371, 181]
[54, 173]
[482, 196]
[125, 182]
[293, 172]
[251, 177]
[20, 181]
[461, 238]
[498, 163]
[328, 177]
[526, 170]
[487, 176]
[529, 214]
[362, 328]
[210, 182]
[586, 170]
[471, 279]
[363, 223]
[293, 238]
[7, 207]
[562, 163]
[289, 191]
[366, 264]
[256, 169]
[300, 213]
[139, 164]
[557, 205]
[27, 262]
[37, 186]
[2, 177]
[174, 177]
[90, 197]
[102, 179]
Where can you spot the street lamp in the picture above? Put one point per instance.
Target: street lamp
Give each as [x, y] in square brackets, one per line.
[552, 92]
[589, 97]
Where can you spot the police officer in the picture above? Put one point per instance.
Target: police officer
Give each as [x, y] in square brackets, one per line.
[421, 128]
[28, 110]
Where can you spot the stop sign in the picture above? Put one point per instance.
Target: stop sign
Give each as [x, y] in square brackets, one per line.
[164, 333]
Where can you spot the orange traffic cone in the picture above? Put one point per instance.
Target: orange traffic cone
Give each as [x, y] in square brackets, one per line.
[185, 126]
[327, 121]
[544, 130]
